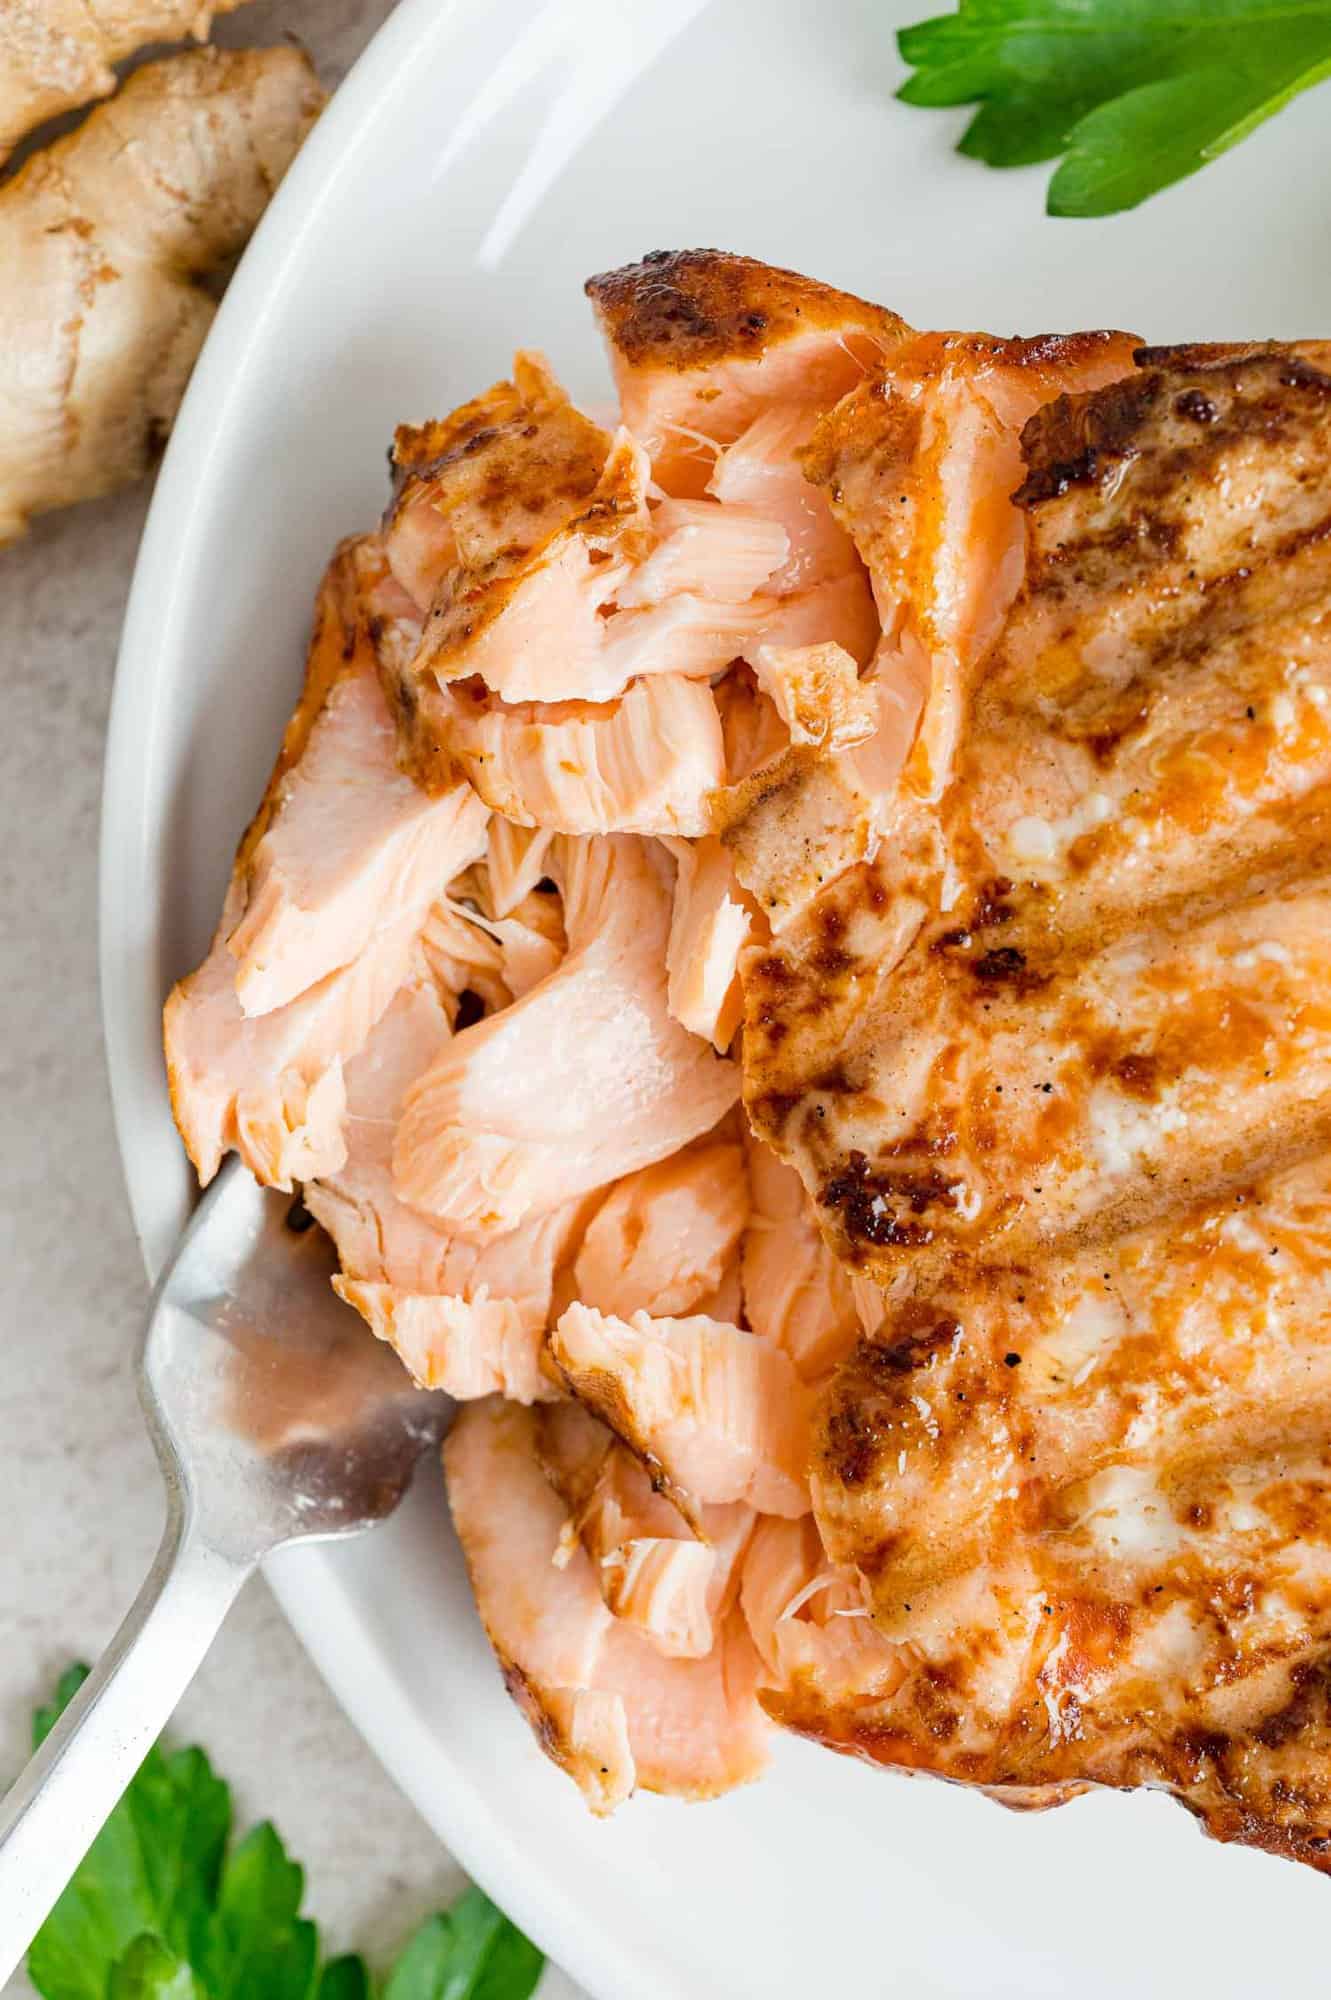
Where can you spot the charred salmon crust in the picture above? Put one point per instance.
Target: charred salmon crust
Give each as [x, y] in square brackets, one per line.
[688, 308]
[1189, 400]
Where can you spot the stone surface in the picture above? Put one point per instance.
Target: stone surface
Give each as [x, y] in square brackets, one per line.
[82, 1488]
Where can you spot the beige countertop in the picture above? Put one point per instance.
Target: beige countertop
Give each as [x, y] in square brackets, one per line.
[85, 1505]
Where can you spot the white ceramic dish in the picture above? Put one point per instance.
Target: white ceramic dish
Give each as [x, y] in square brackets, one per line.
[479, 163]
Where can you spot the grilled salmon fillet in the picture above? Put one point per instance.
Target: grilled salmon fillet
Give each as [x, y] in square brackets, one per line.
[1055, 1066]
[926, 737]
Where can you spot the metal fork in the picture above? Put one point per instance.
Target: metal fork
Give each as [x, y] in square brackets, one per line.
[277, 1419]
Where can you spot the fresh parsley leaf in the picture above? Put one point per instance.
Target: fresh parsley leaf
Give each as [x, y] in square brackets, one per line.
[473, 1953]
[150, 1971]
[258, 1943]
[345, 1979]
[153, 1868]
[1135, 94]
[159, 1911]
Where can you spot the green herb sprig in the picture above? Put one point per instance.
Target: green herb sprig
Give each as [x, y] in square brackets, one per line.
[1134, 94]
[163, 1908]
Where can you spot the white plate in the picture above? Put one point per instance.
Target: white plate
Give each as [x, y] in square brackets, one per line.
[479, 163]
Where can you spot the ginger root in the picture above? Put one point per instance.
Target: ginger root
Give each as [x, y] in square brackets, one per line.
[103, 238]
[56, 54]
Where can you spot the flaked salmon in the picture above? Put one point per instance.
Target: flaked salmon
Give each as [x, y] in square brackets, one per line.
[796, 1293]
[507, 1121]
[921, 461]
[690, 1727]
[479, 1181]
[529, 548]
[377, 1237]
[500, 499]
[645, 763]
[497, 958]
[810, 1622]
[703, 344]
[664, 1238]
[711, 922]
[629, 591]
[517, 516]
[763, 472]
[471, 1347]
[476, 494]
[651, 1568]
[716, 1413]
[700, 549]
[515, 863]
[350, 842]
[272, 1089]
[469, 1318]
[463, 957]
[818, 694]
[269, 1085]
[674, 1589]
[342, 842]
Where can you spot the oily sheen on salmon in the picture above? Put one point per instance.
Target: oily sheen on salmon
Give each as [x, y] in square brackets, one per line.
[1055, 1065]
[787, 947]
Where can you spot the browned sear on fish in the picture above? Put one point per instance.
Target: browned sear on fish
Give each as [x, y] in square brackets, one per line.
[1056, 1067]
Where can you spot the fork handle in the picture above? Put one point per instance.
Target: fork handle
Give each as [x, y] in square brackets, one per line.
[58, 1804]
